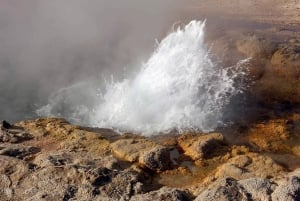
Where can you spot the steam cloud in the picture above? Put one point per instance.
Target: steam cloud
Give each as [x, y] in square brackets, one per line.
[48, 45]
[179, 87]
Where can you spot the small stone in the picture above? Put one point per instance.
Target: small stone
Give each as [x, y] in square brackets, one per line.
[130, 149]
[199, 146]
[156, 159]
[223, 190]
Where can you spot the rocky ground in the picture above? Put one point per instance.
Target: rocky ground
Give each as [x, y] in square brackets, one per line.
[50, 159]
[256, 158]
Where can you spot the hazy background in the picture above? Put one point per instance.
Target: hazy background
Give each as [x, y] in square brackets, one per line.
[47, 45]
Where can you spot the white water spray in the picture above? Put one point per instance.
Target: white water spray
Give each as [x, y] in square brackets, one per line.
[179, 87]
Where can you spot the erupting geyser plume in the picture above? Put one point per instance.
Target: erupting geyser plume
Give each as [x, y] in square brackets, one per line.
[179, 87]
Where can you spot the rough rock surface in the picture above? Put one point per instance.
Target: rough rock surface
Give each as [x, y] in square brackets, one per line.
[200, 146]
[258, 188]
[66, 162]
[163, 194]
[253, 189]
[287, 56]
[245, 190]
[18, 151]
[223, 190]
[156, 159]
[130, 149]
[8, 133]
[288, 188]
[249, 166]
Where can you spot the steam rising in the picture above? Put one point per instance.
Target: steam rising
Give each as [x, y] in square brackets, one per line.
[57, 58]
[49, 45]
[179, 87]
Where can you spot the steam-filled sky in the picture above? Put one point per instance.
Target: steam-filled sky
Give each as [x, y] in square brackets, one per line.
[47, 45]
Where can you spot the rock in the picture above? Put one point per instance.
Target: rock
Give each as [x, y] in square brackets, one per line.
[199, 146]
[256, 46]
[79, 140]
[48, 183]
[61, 159]
[248, 166]
[12, 135]
[51, 159]
[65, 182]
[101, 176]
[279, 82]
[71, 163]
[13, 168]
[70, 193]
[286, 64]
[6, 192]
[288, 188]
[230, 170]
[258, 188]
[18, 151]
[124, 185]
[60, 134]
[287, 56]
[270, 135]
[5, 181]
[226, 189]
[4, 125]
[130, 149]
[156, 159]
[163, 194]
[71, 181]
[241, 161]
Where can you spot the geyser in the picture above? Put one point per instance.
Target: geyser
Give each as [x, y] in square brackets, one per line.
[179, 88]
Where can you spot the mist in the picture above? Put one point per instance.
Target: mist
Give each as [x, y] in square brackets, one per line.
[48, 46]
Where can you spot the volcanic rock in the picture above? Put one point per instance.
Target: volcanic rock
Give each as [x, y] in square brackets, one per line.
[12, 135]
[227, 189]
[145, 152]
[288, 188]
[5, 125]
[163, 194]
[156, 159]
[122, 186]
[199, 146]
[14, 169]
[288, 56]
[249, 166]
[6, 192]
[258, 188]
[224, 190]
[18, 151]
[66, 162]
[130, 149]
